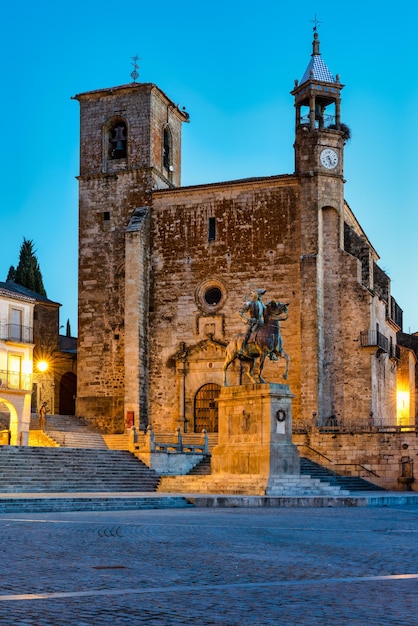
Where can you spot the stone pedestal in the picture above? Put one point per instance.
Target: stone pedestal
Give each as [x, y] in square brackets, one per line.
[255, 432]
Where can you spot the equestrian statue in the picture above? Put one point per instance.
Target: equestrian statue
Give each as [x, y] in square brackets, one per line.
[262, 338]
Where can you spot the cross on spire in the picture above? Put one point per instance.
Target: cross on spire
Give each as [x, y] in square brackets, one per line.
[316, 23]
[134, 73]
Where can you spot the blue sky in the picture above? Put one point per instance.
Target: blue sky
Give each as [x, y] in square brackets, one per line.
[232, 65]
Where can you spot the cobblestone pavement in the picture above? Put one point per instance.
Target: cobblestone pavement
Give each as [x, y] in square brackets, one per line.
[211, 566]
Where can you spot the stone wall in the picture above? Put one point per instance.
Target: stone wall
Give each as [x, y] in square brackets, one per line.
[45, 329]
[257, 242]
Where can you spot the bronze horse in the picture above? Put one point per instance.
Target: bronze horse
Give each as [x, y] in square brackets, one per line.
[266, 341]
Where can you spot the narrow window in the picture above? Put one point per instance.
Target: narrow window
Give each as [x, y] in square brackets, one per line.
[106, 216]
[212, 229]
[14, 371]
[16, 325]
[167, 141]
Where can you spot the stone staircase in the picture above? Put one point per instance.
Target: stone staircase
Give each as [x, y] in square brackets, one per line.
[69, 470]
[349, 483]
[250, 485]
[302, 486]
[73, 432]
[203, 468]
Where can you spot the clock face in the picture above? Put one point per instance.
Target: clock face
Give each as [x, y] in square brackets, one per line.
[329, 158]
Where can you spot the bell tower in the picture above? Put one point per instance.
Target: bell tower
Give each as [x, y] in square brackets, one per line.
[130, 145]
[320, 137]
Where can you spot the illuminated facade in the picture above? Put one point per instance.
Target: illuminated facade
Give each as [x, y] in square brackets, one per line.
[16, 365]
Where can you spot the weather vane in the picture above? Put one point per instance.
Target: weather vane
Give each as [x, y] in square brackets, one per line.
[316, 23]
[134, 73]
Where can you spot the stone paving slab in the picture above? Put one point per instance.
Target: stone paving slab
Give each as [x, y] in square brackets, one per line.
[210, 566]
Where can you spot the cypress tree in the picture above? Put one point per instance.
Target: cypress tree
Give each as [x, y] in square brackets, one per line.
[12, 273]
[28, 273]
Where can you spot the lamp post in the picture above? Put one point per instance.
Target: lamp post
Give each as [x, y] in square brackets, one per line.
[43, 367]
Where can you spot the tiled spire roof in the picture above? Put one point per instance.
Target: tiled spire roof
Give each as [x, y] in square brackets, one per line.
[317, 69]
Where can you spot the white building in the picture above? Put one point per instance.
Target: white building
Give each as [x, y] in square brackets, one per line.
[16, 363]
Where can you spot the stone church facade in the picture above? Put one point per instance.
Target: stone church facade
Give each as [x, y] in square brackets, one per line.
[164, 269]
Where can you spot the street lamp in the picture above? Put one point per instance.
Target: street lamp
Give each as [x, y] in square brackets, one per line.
[42, 366]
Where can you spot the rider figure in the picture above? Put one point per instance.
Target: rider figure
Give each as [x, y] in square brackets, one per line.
[255, 313]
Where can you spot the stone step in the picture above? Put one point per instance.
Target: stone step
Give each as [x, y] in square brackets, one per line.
[63, 422]
[116, 442]
[350, 483]
[302, 485]
[102, 503]
[73, 439]
[254, 485]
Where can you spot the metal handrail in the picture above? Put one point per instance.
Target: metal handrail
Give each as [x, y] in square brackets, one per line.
[15, 380]
[327, 120]
[366, 469]
[17, 333]
[372, 338]
[355, 426]
[316, 451]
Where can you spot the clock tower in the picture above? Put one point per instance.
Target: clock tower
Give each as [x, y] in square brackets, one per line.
[319, 157]
[320, 136]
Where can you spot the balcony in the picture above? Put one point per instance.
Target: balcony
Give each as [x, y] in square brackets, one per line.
[395, 353]
[16, 381]
[375, 340]
[16, 333]
[394, 313]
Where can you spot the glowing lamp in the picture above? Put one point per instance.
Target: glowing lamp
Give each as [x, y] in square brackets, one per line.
[402, 405]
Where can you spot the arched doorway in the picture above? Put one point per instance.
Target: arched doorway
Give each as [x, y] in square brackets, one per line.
[68, 390]
[8, 423]
[206, 408]
[4, 424]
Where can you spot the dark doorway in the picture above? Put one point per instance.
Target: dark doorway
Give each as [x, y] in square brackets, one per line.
[68, 390]
[206, 408]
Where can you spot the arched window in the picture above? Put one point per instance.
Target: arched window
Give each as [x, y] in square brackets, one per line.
[118, 139]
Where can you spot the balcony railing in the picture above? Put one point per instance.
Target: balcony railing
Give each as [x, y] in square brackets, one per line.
[374, 339]
[15, 380]
[394, 312]
[395, 353]
[17, 333]
[327, 120]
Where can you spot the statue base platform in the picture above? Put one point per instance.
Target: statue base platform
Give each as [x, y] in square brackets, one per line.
[255, 432]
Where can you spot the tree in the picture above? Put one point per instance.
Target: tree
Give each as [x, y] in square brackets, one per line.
[28, 273]
[12, 273]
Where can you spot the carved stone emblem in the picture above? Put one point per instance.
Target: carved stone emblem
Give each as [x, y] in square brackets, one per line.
[245, 422]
